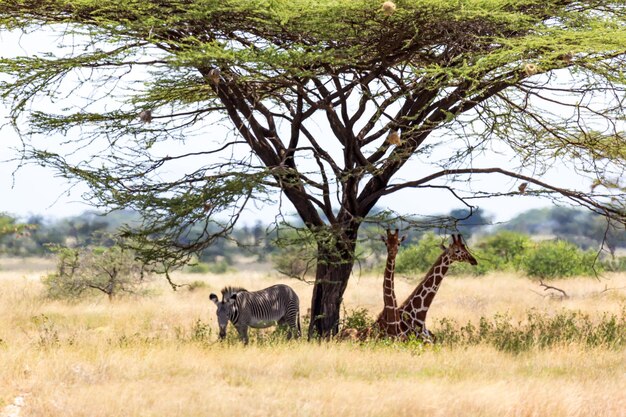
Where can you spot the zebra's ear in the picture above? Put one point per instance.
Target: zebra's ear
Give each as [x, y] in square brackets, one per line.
[214, 298]
[232, 298]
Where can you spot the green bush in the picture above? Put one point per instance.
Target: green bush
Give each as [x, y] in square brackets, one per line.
[506, 249]
[503, 251]
[358, 319]
[558, 258]
[420, 257]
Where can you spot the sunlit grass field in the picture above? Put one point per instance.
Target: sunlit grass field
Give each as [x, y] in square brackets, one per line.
[158, 355]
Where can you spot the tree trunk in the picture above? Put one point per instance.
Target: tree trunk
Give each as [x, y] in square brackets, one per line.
[334, 266]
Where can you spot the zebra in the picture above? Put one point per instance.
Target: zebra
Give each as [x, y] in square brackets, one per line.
[278, 304]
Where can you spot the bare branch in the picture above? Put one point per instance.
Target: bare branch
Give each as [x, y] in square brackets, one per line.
[550, 287]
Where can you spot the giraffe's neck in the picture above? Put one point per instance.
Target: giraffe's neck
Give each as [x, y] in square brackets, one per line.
[389, 319]
[413, 311]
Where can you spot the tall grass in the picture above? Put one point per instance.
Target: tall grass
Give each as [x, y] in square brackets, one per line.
[502, 350]
[537, 331]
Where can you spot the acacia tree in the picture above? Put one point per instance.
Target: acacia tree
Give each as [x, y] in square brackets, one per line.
[334, 103]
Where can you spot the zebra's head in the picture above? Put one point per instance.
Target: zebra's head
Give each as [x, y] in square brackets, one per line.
[226, 309]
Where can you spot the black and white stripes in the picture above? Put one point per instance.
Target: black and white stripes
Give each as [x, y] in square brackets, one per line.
[278, 304]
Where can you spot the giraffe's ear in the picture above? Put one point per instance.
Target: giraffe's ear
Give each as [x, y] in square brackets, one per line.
[383, 238]
[443, 247]
[402, 238]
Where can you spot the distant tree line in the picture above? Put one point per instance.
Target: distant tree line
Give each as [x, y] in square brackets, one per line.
[292, 250]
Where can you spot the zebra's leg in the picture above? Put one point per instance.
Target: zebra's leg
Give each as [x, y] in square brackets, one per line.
[243, 333]
[291, 330]
[282, 323]
[293, 323]
[293, 319]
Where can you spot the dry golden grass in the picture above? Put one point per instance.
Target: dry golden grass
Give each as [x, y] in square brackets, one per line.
[138, 357]
[468, 298]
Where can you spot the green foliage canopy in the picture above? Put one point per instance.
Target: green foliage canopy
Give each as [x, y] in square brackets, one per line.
[284, 61]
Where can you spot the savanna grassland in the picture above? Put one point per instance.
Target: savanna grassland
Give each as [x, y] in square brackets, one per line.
[505, 349]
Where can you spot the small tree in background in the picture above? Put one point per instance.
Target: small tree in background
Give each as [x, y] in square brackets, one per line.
[86, 271]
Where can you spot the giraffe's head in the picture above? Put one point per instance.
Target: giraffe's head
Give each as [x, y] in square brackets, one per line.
[392, 241]
[458, 252]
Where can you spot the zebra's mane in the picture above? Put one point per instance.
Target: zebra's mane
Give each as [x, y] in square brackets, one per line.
[228, 291]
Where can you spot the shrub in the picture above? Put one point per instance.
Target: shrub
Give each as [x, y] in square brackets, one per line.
[200, 331]
[538, 330]
[502, 251]
[506, 249]
[553, 259]
[357, 318]
[85, 271]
